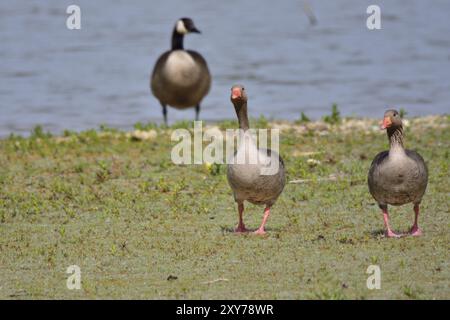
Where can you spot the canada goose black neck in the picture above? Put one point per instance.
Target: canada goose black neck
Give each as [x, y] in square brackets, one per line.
[177, 40]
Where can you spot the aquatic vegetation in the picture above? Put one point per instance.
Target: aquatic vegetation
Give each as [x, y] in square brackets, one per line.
[335, 116]
[303, 119]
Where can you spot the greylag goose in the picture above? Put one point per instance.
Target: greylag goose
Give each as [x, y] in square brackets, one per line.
[397, 176]
[248, 178]
[180, 78]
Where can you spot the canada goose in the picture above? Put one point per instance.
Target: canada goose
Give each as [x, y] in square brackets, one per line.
[397, 176]
[180, 78]
[246, 178]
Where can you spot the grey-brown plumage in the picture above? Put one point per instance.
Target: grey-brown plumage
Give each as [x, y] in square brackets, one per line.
[398, 182]
[248, 184]
[180, 78]
[397, 176]
[249, 175]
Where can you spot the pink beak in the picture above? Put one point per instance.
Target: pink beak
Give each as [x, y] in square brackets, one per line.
[236, 93]
[386, 123]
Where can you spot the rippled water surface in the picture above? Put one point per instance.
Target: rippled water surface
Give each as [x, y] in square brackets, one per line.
[79, 79]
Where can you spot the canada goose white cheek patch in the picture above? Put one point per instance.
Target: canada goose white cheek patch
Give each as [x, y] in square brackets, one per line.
[181, 28]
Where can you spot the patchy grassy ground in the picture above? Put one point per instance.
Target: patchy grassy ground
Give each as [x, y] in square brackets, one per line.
[141, 227]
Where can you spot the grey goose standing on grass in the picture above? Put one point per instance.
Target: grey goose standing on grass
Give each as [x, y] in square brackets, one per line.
[180, 78]
[397, 176]
[255, 174]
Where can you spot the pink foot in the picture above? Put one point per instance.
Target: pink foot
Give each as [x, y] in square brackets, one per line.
[391, 234]
[260, 232]
[240, 229]
[415, 231]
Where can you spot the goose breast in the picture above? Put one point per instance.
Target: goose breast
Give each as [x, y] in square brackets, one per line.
[181, 69]
[248, 182]
[398, 179]
[181, 78]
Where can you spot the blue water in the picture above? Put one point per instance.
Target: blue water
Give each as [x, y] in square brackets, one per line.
[79, 79]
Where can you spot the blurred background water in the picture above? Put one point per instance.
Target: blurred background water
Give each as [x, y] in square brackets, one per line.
[79, 79]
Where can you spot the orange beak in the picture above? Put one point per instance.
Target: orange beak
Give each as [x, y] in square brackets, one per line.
[386, 123]
[236, 93]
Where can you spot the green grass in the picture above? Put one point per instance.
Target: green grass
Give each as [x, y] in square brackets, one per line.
[334, 117]
[141, 227]
[303, 119]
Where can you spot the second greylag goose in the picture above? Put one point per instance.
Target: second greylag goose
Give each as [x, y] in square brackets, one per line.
[180, 78]
[397, 176]
[248, 178]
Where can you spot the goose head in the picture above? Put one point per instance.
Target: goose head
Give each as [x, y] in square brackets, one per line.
[185, 26]
[238, 95]
[239, 100]
[391, 119]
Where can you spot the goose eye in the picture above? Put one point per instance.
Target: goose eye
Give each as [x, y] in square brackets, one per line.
[243, 88]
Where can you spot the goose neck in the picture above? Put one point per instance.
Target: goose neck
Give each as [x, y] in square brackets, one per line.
[177, 40]
[395, 136]
[241, 111]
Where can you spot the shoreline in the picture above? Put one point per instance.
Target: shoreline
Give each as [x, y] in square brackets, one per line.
[151, 130]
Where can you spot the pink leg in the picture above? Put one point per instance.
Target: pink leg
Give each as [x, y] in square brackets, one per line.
[415, 230]
[266, 216]
[389, 232]
[241, 226]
